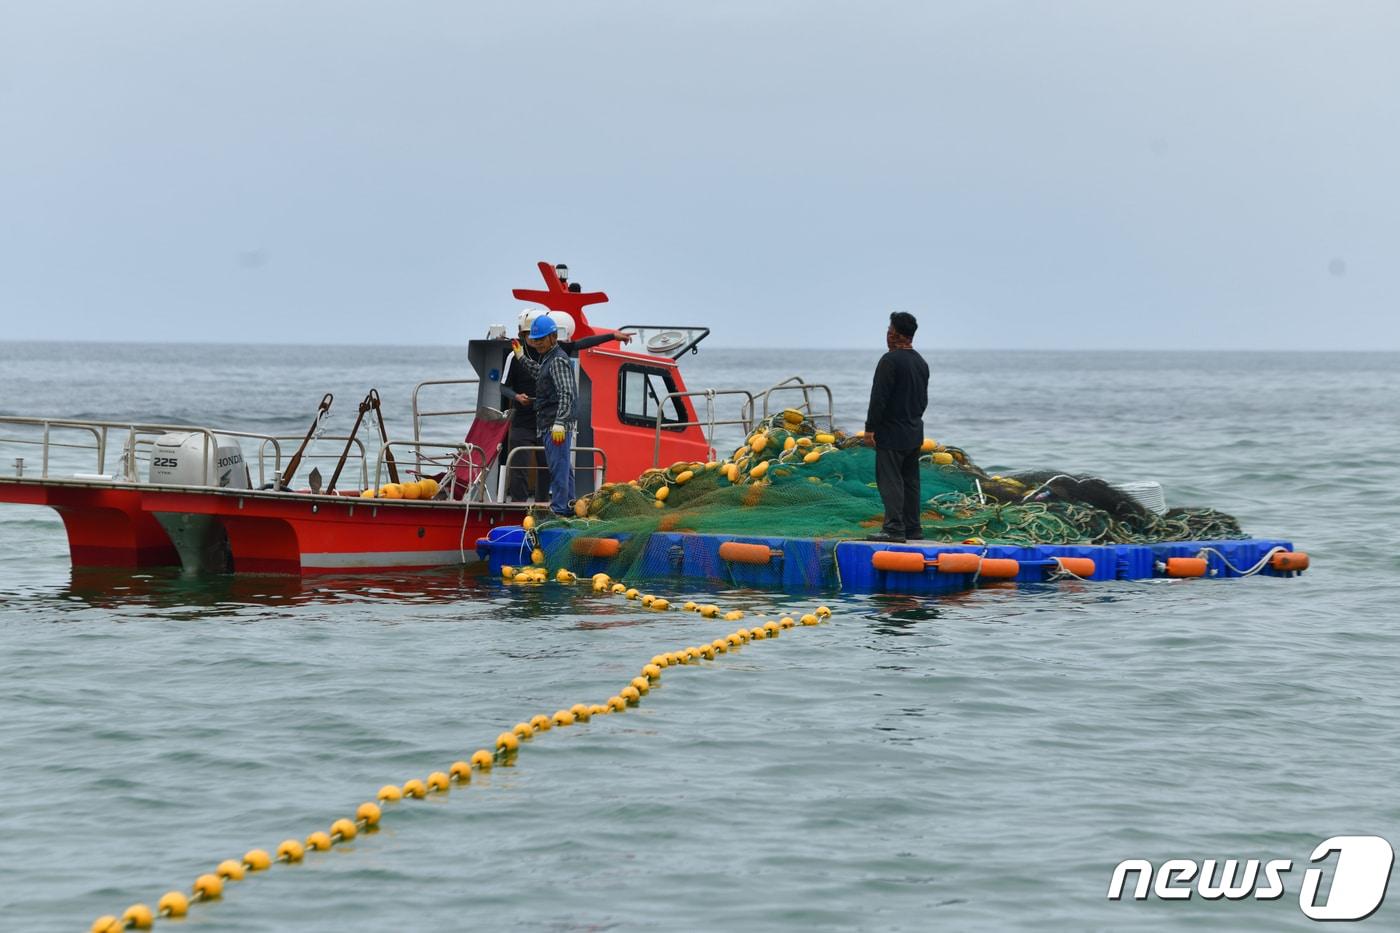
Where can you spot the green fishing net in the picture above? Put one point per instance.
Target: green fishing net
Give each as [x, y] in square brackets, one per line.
[793, 479]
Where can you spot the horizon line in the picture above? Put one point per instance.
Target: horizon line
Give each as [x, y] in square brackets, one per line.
[708, 346]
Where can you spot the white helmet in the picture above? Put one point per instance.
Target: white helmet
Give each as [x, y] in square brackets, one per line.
[527, 317]
[565, 323]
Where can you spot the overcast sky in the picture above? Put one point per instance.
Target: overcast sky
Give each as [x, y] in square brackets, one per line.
[1063, 175]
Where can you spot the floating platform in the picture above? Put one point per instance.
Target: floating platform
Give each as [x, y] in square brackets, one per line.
[923, 567]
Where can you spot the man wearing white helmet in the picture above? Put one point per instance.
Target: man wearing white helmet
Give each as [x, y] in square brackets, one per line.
[565, 325]
[518, 387]
[556, 408]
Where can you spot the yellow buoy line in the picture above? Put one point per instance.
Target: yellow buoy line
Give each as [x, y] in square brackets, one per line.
[210, 886]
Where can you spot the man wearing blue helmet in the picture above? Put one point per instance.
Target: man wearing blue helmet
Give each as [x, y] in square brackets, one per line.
[555, 404]
[529, 478]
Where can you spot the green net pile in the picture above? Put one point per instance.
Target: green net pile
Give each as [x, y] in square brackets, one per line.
[792, 479]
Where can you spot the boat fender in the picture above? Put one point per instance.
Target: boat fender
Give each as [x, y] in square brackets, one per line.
[1079, 566]
[899, 561]
[1186, 566]
[999, 568]
[958, 562]
[739, 553]
[595, 547]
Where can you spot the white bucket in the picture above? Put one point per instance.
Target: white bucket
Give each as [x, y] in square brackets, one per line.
[1148, 494]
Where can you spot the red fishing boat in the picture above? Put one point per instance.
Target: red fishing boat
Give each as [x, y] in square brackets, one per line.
[193, 496]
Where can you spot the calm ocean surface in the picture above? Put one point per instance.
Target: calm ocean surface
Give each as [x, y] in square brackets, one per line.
[978, 762]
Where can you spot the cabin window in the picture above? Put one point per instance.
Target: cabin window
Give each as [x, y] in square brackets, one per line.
[641, 394]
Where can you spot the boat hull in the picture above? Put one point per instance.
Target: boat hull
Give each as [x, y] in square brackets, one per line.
[124, 525]
[106, 525]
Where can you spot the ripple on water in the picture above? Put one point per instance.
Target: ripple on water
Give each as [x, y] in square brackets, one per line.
[976, 762]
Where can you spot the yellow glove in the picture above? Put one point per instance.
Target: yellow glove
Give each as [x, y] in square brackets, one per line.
[557, 434]
[517, 349]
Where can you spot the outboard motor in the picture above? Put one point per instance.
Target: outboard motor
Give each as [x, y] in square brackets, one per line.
[178, 459]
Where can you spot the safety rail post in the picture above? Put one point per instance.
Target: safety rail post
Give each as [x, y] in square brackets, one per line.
[276, 440]
[599, 467]
[710, 396]
[419, 415]
[46, 443]
[457, 449]
[798, 384]
[101, 435]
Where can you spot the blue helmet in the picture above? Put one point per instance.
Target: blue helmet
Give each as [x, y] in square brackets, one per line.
[542, 327]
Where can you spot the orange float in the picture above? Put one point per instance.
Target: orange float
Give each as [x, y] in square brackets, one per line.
[1186, 566]
[739, 553]
[957, 562]
[595, 547]
[899, 561]
[1079, 566]
[999, 568]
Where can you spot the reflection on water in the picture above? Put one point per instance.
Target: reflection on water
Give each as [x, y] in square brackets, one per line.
[169, 588]
[897, 614]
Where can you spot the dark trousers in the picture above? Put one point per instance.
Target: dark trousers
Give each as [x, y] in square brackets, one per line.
[527, 475]
[897, 476]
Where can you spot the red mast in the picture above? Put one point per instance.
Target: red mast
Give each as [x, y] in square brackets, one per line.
[557, 297]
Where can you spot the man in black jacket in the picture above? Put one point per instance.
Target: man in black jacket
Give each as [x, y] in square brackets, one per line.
[894, 426]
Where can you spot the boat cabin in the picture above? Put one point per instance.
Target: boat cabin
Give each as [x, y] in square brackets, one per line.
[634, 409]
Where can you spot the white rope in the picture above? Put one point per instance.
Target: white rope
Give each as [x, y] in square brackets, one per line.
[1037, 489]
[1244, 573]
[977, 574]
[462, 538]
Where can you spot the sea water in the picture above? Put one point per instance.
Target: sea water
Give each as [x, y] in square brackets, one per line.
[974, 762]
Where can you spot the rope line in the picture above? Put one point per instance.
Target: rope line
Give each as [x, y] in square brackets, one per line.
[1263, 561]
[210, 886]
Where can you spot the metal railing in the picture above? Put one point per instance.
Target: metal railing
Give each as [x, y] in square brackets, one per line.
[419, 414]
[308, 455]
[446, 460]
[136, 436]
[670, 340]
[599, 469]
[750, 414]
[46, 442]
[709, 395]
[798, 384]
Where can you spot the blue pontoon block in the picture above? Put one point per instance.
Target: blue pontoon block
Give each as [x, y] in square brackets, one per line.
[807, 563]
[509, 545]
[503, 545]
[1242, 556]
